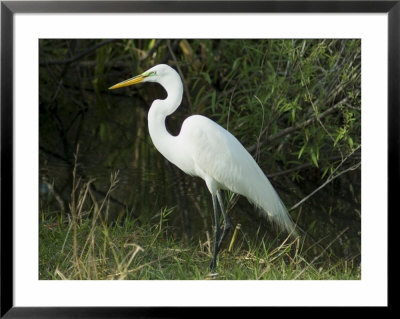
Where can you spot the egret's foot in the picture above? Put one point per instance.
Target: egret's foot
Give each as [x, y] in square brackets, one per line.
[213, 275]
[213, 265]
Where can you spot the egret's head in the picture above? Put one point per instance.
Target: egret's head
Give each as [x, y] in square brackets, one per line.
[156, 74]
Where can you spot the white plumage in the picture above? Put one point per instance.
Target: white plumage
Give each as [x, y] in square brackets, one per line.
[205, 149]
[222, 161]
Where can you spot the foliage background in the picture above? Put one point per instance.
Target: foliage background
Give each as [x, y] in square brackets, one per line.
[294, 104]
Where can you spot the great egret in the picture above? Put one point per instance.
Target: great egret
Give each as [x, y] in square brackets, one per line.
[205, 149]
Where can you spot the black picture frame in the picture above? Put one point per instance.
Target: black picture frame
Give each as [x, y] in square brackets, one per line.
[9, 8]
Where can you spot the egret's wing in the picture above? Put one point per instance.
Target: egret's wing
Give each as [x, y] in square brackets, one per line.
[217, 153]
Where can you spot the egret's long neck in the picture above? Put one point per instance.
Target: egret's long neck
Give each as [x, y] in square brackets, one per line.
[159, 110]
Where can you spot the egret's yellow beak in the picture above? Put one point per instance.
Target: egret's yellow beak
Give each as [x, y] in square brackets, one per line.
[131, 81]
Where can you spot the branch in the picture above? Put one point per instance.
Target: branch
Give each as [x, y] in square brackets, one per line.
[296, 127]
[352, 168]
[301, 167]
[78, 56]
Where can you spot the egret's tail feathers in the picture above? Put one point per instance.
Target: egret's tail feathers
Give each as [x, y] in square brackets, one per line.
[263, 194]
[281, 219]
[273, 208]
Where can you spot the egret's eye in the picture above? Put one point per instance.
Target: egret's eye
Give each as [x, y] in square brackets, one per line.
[151, 73]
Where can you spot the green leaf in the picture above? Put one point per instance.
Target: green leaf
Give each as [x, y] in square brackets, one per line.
[206, 77]
[213, 98]
[293, 114]
[302, 150]
[325, 171]
[103, 132]
[314, 158]
[350, 140]
[235, 64]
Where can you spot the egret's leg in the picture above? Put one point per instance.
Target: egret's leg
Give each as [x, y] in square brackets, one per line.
[227, 225]
[217, 234]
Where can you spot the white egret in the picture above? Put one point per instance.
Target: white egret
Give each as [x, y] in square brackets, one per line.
[205, 149]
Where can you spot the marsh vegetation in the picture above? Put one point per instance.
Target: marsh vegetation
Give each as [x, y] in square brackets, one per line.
[111, 207]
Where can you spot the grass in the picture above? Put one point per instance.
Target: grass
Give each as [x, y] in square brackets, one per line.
[145, 252]
[83, 246]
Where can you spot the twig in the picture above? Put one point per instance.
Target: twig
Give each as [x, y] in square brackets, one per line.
[257, 156]
[78, 56]
[181, 74]
[316, 110]
[150, 52]
[296, 127]
[300, 167]
[229, 107]
[315, 258]
[352, 168]
[75, 185]
[344, 160]
[54, 192]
